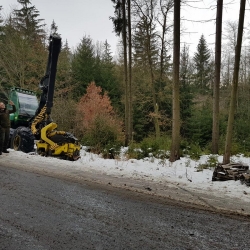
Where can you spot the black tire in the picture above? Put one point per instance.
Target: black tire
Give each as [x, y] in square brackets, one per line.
[23, 140]
[12, 130]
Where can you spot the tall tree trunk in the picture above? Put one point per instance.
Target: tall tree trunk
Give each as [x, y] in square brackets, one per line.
[156, 108]
[216, 97]
[130, 105]
[152, 73]
[124, 39]
[175, 147]
[228, 145]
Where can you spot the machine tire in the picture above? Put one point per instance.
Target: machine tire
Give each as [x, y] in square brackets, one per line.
[12, 130]
[23, 140]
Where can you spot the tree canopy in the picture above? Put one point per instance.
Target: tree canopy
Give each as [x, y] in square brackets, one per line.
[202, 63]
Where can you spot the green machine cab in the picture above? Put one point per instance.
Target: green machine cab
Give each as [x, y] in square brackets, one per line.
[26, 105]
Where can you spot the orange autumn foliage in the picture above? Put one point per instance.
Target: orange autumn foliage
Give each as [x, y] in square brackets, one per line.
[94, 107]
[93, 104]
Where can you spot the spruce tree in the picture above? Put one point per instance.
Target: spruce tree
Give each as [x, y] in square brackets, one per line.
[83, 65]
[64, 80]
[202, 64]
[54, 29]
[22, 52]
[199, 129]
[26, 20]
[107, 78]
[106, 55]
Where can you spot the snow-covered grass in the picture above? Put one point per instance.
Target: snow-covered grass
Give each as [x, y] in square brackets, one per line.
[185, 172]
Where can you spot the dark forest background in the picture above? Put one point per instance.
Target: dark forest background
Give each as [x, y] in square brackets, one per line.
[91, 97]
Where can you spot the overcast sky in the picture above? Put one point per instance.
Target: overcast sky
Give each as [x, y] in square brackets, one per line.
[200, 19]
[77, 18]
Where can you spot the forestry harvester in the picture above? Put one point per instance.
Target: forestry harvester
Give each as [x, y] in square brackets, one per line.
[32, 121]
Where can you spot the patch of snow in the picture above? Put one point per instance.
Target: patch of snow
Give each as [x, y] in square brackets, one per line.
[181, 172]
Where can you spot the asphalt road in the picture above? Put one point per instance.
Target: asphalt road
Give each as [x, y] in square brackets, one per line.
[45, 212]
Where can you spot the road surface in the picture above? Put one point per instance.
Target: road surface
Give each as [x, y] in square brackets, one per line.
[40, 212]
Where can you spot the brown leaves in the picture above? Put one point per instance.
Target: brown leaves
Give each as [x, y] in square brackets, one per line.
[93, 103]
[96, 122]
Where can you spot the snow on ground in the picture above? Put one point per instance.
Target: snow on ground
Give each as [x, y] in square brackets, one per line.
[182, 172]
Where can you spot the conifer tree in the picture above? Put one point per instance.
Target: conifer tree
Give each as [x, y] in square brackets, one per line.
[64, 78]
[106, 55]
[26, 20]
[107, 79]
[54, 29]
[202, 63]
[83, 65]
[23, 53]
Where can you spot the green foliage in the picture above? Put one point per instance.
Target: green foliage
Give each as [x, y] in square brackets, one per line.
[134, 151]
[143, 110]
[64, 84]
[186, 107]
[103, 137]
[21, 59]
[83, 65]
[23, 56]
[192, 150]
[105, 76]
[93, 63]
[151, 70]
[202, 64]
[201, 167]
[236, 148]
[142, 125]
[242, 120]
[210, 164]
[26, 20]
[199, 126]
[145, 43]
[118, 19]
[186, 69]
[186, 90]
[62, 113]
[212, 161]
[97, 122]
[54, 29]
[150, 147]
